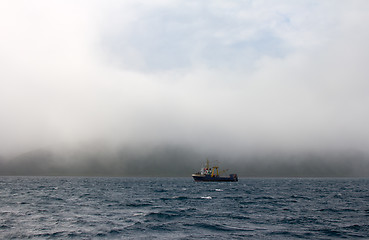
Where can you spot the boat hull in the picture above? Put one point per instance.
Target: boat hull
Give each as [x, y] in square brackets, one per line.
[209, 178]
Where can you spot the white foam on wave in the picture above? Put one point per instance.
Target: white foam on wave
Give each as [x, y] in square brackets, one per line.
[138, 214]
[207, 197]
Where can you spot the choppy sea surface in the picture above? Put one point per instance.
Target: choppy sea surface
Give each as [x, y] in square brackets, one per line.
[179, 208]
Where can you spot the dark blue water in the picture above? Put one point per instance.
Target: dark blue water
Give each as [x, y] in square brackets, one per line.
[178, 208]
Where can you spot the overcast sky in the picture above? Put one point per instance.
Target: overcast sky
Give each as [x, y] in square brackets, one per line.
[232, 76]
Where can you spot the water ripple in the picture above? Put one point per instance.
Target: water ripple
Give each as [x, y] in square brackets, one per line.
[177, 208]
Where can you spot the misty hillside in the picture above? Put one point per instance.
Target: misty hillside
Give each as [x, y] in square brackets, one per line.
[173, 161]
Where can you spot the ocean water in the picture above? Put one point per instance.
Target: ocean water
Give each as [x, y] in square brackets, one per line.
[179, 208]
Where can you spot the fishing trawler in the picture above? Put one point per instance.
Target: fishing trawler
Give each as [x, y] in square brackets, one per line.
[211, 174]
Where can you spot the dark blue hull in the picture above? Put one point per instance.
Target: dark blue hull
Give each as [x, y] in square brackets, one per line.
[209, 178]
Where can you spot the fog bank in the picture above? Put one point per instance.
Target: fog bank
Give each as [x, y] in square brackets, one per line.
[175, 161]
[256, 84]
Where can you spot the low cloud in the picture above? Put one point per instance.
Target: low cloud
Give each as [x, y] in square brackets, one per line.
[233, 79]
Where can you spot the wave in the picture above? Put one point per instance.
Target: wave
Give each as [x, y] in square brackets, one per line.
[138, 204]
[217, 227]
[164, 215]
[175, 198]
